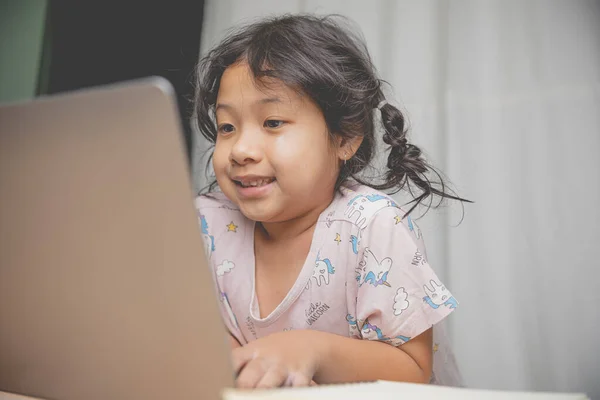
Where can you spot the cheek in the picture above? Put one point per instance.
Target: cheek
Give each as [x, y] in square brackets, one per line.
[303, 152]
[305, 168]
[220, 158]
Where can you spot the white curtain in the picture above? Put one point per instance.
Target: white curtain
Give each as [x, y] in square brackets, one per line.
[504, 96]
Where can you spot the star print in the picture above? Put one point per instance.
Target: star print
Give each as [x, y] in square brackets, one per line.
[398, 219]
[338, 238]
[232, 227]
[436, 347]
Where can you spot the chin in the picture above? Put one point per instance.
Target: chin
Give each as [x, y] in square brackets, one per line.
[257, 212]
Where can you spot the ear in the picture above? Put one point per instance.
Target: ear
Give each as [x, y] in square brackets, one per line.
[347, 147]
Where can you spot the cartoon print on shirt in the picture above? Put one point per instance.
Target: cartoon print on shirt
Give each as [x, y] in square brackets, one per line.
[315, 311]
[418, 259]
[372, 271]
[413, 227]
[231, 227]
[209, 240]
[401, 302]
[373, 332]
[330, 218]
[355, 242]
[438, 295]
[351, 320]
[225, 267]
[338, 238]
[322, 272]
[362, 207]
[353, 325]
[398, 340]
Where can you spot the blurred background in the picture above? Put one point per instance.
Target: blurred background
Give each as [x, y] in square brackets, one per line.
[504, 97]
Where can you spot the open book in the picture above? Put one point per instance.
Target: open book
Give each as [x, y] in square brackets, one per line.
[384, 390]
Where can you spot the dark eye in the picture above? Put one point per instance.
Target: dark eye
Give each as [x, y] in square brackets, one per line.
[226, 128]
[273, 123]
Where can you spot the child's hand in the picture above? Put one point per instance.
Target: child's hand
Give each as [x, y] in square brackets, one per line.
[283, 359]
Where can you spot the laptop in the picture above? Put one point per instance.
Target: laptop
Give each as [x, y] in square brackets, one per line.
[105, 292]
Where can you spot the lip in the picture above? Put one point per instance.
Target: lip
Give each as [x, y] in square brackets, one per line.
[252, 192]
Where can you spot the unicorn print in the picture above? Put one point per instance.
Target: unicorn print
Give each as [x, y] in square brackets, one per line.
[373, 271]
[353, 325]
[322, 272]
[438, 296]
[351, 320]
[373, 332]
[355, 241]
[412, 226]
[368, 330]
[209, 240]
[362, 207]
[398, 340]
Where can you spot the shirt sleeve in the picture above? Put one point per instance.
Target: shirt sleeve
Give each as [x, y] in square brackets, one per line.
[399, 296]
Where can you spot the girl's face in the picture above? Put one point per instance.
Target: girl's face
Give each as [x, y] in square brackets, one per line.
[273, 156]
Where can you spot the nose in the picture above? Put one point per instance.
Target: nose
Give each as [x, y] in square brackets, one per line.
[248, 148]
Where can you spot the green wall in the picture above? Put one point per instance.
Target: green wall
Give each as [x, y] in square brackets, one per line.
[22, 24]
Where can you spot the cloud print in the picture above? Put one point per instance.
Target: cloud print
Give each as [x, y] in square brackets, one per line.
[400, 301]
[225, 267]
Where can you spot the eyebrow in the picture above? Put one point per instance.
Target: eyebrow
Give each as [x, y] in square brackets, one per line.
[266, 100]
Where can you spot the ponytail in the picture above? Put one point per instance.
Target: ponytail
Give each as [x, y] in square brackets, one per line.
[406, 166]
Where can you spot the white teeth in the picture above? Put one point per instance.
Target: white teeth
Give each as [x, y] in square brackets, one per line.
[258, 183]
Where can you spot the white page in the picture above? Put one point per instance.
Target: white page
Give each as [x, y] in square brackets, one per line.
[393, 390]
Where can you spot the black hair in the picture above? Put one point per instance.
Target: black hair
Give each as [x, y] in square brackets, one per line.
[320, 58]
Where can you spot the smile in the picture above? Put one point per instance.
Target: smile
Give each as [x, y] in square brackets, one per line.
[246, 183]
[253, 186]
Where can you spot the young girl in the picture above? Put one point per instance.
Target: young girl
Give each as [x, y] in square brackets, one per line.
[322, 277]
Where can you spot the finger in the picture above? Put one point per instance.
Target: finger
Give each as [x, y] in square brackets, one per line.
[240, 356]
[251, 373]
[313, 383]
[298, 380]
[274, 377]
